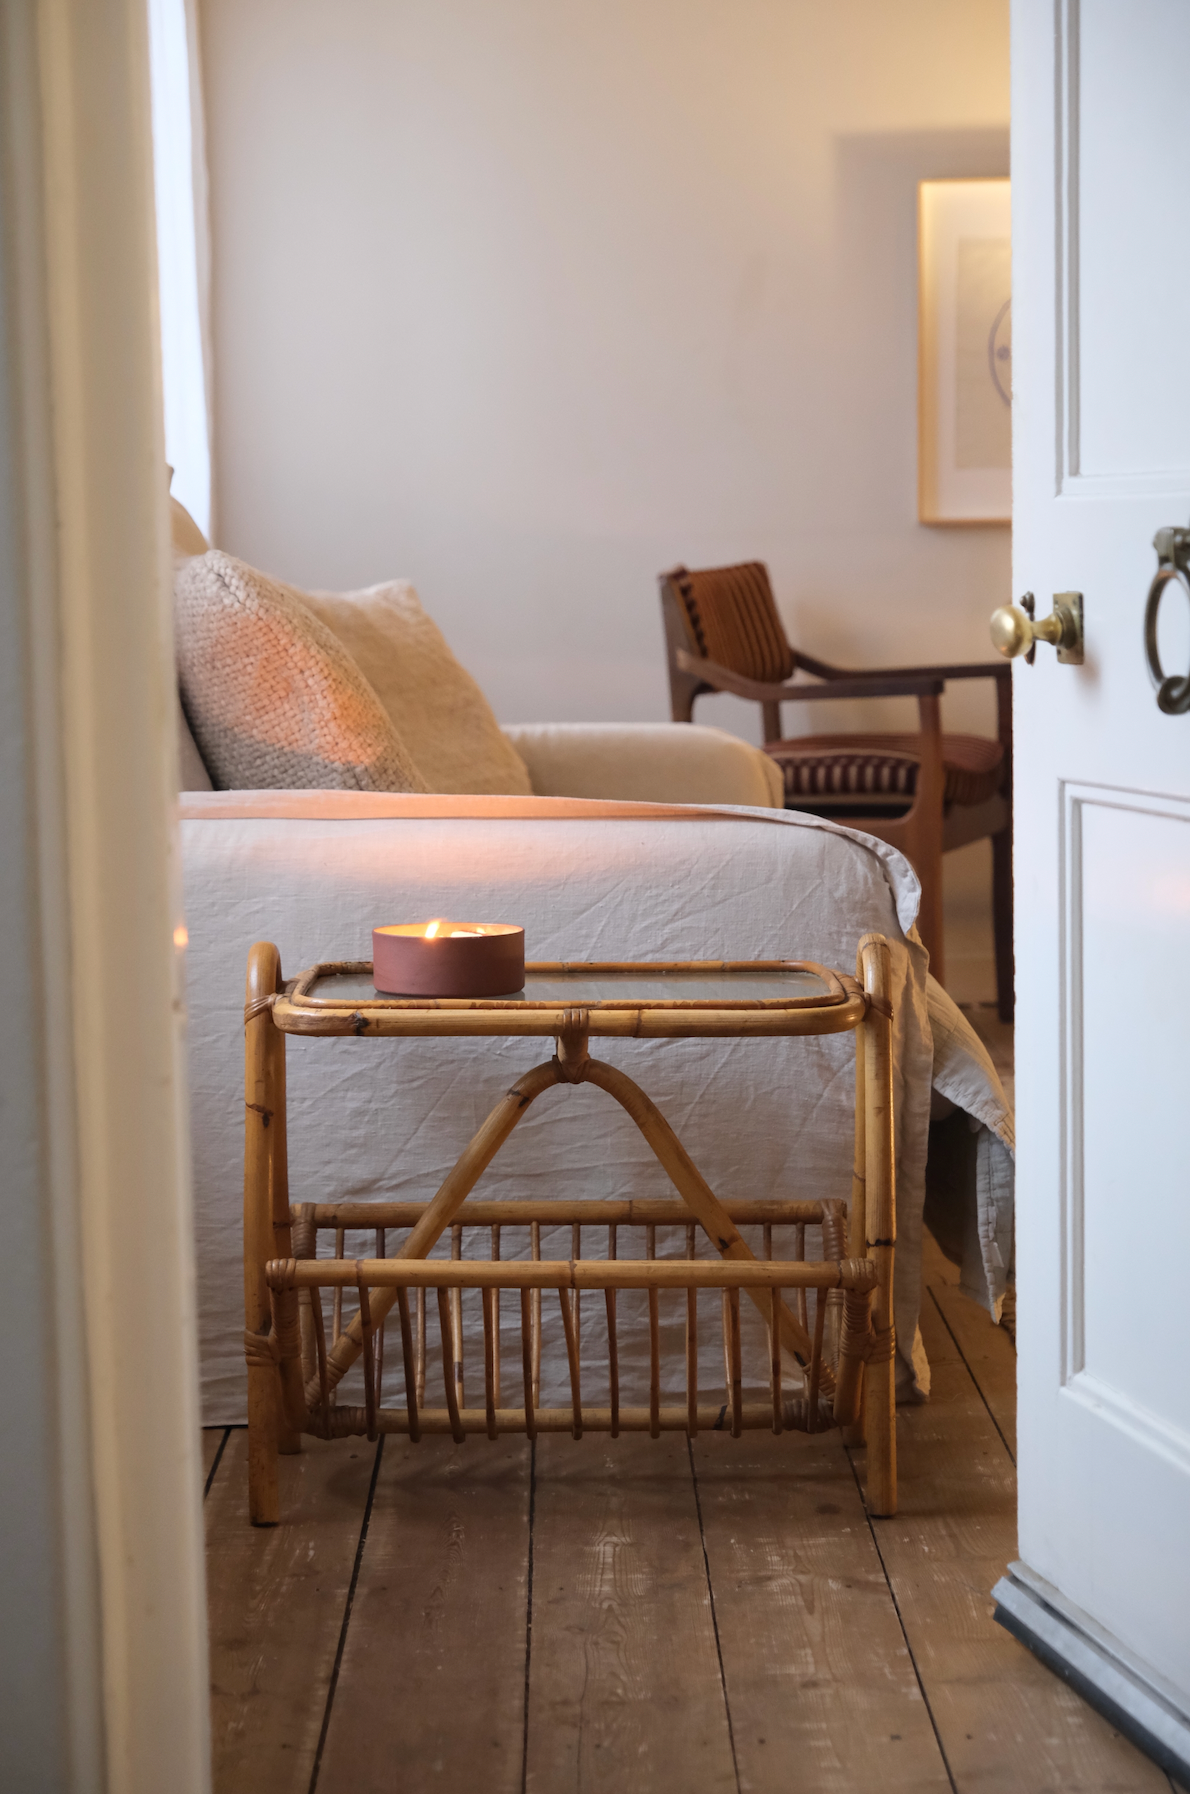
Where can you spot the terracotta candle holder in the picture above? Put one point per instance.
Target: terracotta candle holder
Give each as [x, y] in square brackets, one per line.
[448, 959]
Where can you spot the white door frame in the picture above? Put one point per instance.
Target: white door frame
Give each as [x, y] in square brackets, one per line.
[88, 501]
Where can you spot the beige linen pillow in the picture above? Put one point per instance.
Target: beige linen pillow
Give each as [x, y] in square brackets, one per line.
[273, 698]
[435, 706]
[188, 540]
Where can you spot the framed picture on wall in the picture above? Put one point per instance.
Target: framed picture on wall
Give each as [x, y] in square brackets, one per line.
[964, 352]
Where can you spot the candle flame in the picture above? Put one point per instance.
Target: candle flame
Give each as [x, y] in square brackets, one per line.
[181, 935]
[432, 929]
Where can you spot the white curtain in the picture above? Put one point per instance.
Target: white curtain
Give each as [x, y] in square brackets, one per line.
[179, 160]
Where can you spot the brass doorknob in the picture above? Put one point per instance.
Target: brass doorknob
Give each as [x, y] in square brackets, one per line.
[1015, 631]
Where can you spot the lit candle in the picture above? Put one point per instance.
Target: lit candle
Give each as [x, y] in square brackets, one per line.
[448, 959]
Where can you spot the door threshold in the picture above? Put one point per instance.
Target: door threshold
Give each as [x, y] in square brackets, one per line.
[1118, 1684]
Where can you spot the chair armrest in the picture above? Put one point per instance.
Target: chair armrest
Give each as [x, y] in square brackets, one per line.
[918, 683]
[677, 763]
[972, 669]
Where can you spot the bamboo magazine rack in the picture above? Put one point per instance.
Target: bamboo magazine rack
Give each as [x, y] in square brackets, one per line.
[844, 1370]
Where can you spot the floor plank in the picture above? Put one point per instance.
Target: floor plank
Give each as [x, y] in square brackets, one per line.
[275, 1601]
[935, 1267]
[1007, 1725]
[431, 1690]
[625, 1688]
[987, 1351]
[817, 1670]
[997, 1037]
[212, 1440]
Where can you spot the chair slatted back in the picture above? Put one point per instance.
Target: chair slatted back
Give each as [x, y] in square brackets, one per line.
[733, 617]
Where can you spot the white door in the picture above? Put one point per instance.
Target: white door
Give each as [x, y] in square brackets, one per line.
[1101, 349]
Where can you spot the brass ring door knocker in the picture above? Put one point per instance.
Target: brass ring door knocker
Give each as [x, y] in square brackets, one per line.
[1173, 563]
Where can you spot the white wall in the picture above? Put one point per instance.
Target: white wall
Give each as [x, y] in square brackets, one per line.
[529, 299]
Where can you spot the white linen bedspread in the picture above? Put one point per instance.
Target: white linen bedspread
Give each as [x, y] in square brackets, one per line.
[315, 871]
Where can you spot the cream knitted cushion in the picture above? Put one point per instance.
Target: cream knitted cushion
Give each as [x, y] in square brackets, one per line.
[273, 698]
[436, 707]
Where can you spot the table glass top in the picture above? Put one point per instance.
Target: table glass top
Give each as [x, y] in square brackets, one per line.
[716, 985]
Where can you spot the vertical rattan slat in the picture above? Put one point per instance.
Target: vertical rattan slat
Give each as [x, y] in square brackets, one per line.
[337, 1298]
[726, 1352]
[381, 1252]
[527, 1362]
[812, 1415]
[576, 1252]
[654, 1344]
[456, 1320]
[834, 1246]
[316, 1314]
[572, 1359]
[407, 1353]
[799, 1252]
[421, 1346]
[496, 1327]
[535, 1303]
[691, 1346]
[735, 1361]
[365, 1316]
[446, 1323]
[775, 1360]
[489, 1358]
[613, 1355]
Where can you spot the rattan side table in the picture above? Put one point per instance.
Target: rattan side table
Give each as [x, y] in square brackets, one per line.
[293, 1373]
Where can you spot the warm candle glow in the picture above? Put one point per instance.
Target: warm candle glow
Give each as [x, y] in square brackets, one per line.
[181, 935]
[442, 958]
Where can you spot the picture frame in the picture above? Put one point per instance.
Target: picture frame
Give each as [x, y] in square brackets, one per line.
[964, 425]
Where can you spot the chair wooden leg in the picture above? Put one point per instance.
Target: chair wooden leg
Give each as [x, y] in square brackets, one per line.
[1002, 923]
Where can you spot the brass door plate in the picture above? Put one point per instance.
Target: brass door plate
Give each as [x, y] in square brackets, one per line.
[1072, 602]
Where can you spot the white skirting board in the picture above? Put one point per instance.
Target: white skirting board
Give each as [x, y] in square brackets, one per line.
[1141, 1704]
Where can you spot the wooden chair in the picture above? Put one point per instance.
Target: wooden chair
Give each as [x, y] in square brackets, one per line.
[924, 793]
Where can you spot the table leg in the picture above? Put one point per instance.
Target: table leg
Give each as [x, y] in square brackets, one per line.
[260, 1096]
[880, 1220]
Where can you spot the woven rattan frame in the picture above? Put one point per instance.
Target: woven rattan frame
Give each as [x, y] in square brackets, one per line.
[844, 1348]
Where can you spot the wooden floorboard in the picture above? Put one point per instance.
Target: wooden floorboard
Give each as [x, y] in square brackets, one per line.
[834, 1653]
[625, 1691]
[276, 1597]
[431, 1690]
[1007, 1725]
[997, 1037]
[987, 1349]
[821, 1687]
[212, 1439]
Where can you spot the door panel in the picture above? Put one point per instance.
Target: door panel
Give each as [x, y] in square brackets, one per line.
[1133, 262]
[1130, 920]
[1101, 460]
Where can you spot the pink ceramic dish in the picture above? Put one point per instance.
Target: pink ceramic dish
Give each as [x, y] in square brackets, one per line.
[448, 959]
